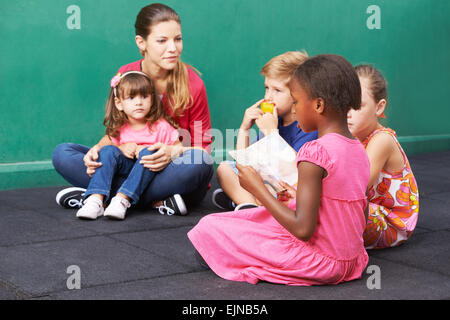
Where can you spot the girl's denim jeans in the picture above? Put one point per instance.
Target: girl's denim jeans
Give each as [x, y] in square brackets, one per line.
[188, 175]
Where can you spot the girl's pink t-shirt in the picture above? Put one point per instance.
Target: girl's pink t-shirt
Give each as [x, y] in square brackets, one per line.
[196, 118]
[341, 221]
[161, 131]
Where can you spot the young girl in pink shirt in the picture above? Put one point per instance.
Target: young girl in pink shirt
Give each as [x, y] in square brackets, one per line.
[135, 119]
[318, 237]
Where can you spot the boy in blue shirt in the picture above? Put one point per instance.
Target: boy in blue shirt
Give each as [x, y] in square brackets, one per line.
[277, 73]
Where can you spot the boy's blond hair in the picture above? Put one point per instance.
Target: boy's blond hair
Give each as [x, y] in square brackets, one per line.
[283, 66]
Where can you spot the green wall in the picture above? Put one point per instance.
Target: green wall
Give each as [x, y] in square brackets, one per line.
[54, 80]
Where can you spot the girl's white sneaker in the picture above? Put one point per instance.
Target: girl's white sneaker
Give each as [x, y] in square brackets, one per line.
[117, 208]
[92, 208]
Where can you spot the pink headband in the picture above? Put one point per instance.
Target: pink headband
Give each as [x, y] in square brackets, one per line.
[116, 79]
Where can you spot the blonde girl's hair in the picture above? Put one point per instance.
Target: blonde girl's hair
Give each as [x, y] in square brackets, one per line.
[378, 84]
[177, 92]
[284, 65]
[132, 84]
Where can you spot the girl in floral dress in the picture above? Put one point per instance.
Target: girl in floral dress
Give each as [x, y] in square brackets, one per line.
[393, 194]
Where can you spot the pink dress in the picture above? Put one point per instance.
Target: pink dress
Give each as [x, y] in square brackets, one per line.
[250, 245]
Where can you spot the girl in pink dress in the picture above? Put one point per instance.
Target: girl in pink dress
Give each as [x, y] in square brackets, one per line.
[316, 238]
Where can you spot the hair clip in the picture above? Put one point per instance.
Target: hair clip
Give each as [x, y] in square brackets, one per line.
[115, 80]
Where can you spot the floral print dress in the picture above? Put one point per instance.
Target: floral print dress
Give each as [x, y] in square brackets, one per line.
[393, 204]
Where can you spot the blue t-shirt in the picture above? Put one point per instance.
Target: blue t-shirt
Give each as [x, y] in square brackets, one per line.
[294, 136]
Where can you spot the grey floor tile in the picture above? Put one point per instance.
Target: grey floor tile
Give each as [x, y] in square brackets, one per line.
[190, 286]
[431, 184]
[20, 227]
[432, 175]
[396, 282]
[444, 197]
[7, 294]
[37, 199]
[427, 251]
[137, 221]
[419, 230]
[434, 214]
[171, 243]
[432, 157]
[42, 268]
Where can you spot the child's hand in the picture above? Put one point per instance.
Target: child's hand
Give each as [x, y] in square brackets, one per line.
[268, 122]
[129, 149]
[287, 194]
[250, 180]
[139, 149]
[251, 114]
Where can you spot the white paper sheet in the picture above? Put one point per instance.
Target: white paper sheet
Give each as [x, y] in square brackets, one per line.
[272, 157]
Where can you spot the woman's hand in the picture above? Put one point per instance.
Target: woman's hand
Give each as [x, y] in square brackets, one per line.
[90, 160]
[250, 180]
[129, 150]
[161, 158]
[251, 114]
[268, 122]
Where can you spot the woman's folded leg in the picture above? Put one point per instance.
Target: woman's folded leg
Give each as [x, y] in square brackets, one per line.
[189, 175]
[68, 161]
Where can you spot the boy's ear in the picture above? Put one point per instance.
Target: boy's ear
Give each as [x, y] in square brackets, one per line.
[118, 104]
[381, 105]
[319, 105]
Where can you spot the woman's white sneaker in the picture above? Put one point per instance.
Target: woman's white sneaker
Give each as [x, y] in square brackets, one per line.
[117, 208]
[92, 208]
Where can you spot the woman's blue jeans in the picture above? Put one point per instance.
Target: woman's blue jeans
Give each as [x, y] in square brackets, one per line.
[188, 175]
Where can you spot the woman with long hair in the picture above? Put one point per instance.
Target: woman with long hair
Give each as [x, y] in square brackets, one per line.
[183, 94]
